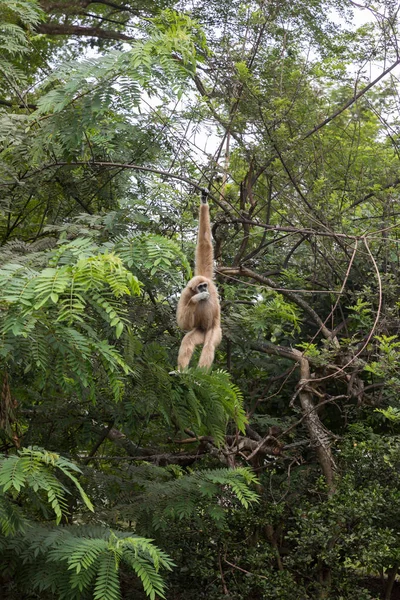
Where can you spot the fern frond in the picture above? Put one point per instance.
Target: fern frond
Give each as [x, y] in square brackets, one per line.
[12, 520]
[151, 580]
[153, 253]
[73, 560]
[35, 469]
[211, 399]
[53, 307]
[191, 494]
[107, 583]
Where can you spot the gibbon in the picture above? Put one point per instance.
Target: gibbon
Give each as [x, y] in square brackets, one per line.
[198, 308]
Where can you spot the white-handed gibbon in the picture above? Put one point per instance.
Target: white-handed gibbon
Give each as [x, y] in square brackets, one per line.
[198, 310]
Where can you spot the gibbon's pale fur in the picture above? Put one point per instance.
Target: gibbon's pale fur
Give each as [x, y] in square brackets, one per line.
[198, 308]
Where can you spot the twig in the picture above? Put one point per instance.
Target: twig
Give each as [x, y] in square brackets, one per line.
[351, 101]
[224, 587]
[378, 314]
[244, 570]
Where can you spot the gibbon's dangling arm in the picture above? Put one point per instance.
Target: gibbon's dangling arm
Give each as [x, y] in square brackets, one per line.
[204, 264]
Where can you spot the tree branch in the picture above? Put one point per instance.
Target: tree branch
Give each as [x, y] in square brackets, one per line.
[244, 272]
[319, 435]
[392, 184]
[351, 101]
[14, 105]
[274, 350]
[162, 460]
[79, 30]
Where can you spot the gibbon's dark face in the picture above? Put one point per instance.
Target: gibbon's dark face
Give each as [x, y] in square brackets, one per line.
[202, 287]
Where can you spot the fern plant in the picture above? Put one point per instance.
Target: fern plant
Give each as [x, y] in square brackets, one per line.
[167, 37]
[76, 99]
[70, 562]
[33, 470]
[154, 254]
[173, 493]
[49, 317]
[59, 321]
[203, 401]
[17, 17]
[207, 400]
[74, 563]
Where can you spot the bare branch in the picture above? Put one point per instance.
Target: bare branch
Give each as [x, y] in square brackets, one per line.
[79, 30]
[319, 435]
[351, 100]
[243, 271]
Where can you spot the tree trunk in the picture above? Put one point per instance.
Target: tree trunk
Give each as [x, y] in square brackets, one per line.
[392, 572]
[318, 434]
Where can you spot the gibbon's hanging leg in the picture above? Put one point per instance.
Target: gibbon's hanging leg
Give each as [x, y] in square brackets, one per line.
[188, 344]
[198, 308]
[211, 341]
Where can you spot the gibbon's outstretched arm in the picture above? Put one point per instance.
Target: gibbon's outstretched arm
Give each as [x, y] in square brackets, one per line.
[204, 264]
[198, 310]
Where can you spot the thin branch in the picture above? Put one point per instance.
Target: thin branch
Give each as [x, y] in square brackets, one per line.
[244, 570]
[244, 271]
[13, 105]
[103, 435]
[100, 18]
[351, 101]
[164, 459]
[274, 350]
[291, 229]
[371, 333]
[392, 184]
[79, 30]
[334, 338]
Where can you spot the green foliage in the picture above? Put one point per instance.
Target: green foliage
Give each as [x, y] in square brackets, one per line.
[77, 98]
[180, 496]
[360, 517]
[203, 401]
[179, 34]
[68, 561]
[206, 401]
[272, 317]
[34, 470]
[311, 350]
[155, 255]
[361, 314]
[16, 17]
[389, 357]
[303, 181]
[353, 530]
[46, 314]
[391, 413]
[73, 562]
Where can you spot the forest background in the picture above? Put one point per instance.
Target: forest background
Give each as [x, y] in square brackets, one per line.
[277, 474]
